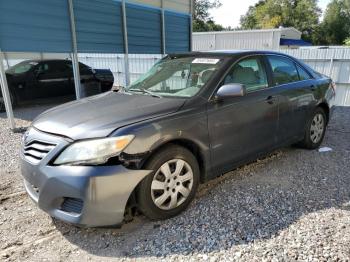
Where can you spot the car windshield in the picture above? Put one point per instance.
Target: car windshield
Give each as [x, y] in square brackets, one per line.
[176, 77]
[22, 67]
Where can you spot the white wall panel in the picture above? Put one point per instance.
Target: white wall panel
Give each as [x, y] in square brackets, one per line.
[343, 95]
[268, 39]
[203, 42]
[319, 59]
[138, 64]
[235, 40]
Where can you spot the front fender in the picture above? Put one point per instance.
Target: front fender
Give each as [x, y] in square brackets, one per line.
[189, 125]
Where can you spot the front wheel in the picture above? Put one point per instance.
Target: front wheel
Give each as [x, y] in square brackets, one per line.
[168, 190]
[315, 130]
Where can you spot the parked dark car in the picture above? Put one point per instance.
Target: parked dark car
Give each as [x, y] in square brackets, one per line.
[191, 118]
[33, 79]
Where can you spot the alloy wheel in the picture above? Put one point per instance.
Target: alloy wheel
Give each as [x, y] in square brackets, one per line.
[317, 128]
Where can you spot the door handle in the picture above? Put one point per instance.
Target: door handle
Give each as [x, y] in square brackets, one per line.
[270, 99]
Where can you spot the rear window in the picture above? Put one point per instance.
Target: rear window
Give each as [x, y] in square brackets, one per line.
[303, 75]
[283, 69]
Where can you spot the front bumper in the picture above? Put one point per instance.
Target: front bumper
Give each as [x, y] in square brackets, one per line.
[97, 195]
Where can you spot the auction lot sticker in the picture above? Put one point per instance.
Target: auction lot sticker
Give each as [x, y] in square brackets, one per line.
[205, 61]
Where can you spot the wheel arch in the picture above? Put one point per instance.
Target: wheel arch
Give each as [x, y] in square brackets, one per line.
[190, 145]
[325, 107]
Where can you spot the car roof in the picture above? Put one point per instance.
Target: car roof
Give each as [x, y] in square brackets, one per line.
[228, 53]
[45, 60]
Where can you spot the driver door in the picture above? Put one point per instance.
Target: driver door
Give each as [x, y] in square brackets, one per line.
[53, 78]
[243, 127]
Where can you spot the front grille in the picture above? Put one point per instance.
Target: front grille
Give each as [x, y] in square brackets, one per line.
[72, 205]
[35, 150]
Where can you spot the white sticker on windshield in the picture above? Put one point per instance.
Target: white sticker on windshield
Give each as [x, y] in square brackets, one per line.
[211, 61]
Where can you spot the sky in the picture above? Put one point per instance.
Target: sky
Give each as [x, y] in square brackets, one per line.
[231, 10]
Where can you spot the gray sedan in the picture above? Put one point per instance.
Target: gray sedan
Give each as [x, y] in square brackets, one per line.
[191, 118]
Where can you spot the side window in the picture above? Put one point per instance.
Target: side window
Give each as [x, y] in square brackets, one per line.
[69, 68]
[303, 75]
[58, 67]
[84, 69]
[42, 68]
[249, 72]
[69, 65]
[283, 69]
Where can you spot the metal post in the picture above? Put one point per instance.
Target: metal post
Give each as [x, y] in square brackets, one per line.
[74, 55]
[6, 93]
[7, 60]
[163, 29]
[126, 45]
[191, 25]
[331, 67]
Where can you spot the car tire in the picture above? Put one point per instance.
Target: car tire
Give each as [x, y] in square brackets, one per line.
[315, 130]
[171, 187]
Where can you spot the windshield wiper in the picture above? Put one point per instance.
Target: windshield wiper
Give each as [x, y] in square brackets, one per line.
[145, 91]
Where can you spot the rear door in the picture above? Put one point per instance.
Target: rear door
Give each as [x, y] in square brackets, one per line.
[53, 78]
[296, 87]
[70, 86]
[242, 127]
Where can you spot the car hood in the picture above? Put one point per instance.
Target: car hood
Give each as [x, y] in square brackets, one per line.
[100, 115]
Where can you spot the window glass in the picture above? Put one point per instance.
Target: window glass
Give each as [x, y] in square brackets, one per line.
[58, 67]
[83, 69]
[177, 77]
[70, 66]
[283, 69]
[249, 72]
[303, 75]
[22, 67]
[43, 68]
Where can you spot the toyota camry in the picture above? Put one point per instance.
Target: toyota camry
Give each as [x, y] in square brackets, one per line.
[189, 119]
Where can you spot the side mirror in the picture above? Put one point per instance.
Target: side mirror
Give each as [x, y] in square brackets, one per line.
[231, 90]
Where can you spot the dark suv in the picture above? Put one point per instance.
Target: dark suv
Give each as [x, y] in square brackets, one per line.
[191, 118]
[35, 79]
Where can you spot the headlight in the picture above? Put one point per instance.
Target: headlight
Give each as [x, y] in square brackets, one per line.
[93, 152]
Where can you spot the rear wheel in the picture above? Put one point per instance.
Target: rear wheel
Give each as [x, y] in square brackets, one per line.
[315, 130]
[168, 190]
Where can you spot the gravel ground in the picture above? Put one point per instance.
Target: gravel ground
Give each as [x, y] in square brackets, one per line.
[293, 205]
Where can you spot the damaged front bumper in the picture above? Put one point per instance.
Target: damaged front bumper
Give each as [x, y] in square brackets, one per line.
[82, 195]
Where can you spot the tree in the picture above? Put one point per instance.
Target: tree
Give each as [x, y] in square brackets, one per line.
[301, 14]
[249, 20]
[202, 21]
[347, 41]
[335, 26]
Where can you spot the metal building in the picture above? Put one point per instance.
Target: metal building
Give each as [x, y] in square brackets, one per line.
[266, 39]
[63, 28]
